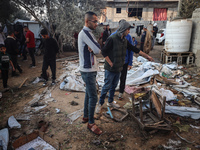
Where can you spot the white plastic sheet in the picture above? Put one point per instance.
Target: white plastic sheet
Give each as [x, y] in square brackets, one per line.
[75, 115]
[12, 122]
[192, 112]
[168, 94]
[140, 76]
[172, 65]
[73, 84]
[143, 74]
[141, 59]
[4, 137]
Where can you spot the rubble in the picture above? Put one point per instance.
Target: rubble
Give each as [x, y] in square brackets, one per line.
[169, 81]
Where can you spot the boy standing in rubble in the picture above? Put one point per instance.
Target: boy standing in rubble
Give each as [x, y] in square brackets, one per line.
[49, 59]
[4, 65]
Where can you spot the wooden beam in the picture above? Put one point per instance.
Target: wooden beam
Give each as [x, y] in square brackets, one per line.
[133, 103]
[156, 103]
[153, 117]
[163, 108]
[22, 83]
[141, 113]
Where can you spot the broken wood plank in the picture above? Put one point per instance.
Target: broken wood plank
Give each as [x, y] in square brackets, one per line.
[74, 57]
[153, 117]
[153, 131]
[22, 83]
[163, 108]
[157, 128]
[133, 103]
[157, 123]
[141, 113]
[165, 80]
[137, 120]
[156, 103]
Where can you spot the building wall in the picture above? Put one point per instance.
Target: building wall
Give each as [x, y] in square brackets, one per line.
[147, 14]
[195, 42]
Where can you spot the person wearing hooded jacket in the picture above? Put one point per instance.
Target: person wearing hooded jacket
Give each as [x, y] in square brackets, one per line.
[114, 53]
[127, 65]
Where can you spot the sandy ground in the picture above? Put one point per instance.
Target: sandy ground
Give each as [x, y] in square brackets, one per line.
[116, 135]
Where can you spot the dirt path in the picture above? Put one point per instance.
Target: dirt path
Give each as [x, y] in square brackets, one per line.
[117, 135]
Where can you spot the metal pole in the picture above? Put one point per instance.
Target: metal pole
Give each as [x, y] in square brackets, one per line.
[179, 7]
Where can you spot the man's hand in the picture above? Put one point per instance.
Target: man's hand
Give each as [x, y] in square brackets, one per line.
[111, 64]
[129, 67]
[150, 58]
[90, 50]
[109, 61]
[146, 56]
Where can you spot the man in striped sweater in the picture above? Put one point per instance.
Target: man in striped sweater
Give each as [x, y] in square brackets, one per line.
[88, 47]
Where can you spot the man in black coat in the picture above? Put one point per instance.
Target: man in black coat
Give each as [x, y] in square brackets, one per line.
[13, 51]
[49, 59]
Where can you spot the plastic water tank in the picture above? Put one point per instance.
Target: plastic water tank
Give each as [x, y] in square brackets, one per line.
[178, 35]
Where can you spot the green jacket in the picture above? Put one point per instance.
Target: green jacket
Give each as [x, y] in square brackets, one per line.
[116, 54]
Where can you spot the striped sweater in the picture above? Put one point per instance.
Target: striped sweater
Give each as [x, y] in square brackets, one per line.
[87, 60]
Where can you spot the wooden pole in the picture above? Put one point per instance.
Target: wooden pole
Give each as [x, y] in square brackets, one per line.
[22, 83]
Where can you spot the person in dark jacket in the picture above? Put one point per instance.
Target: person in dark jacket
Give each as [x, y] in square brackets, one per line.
[13, 51]
[155, 31]
[114, 53]
[20, 38]
[143, 38]
[4, 64]
[127, 65]
[49, 59]
[106, 34]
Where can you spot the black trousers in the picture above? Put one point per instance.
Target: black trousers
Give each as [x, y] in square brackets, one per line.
[4, 75]
[32, 55]
[142, 46]
[24, 52]
[15, 63]
[123, 78]
[46, 64]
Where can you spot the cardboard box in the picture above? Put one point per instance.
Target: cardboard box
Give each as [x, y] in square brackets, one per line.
[27, 138]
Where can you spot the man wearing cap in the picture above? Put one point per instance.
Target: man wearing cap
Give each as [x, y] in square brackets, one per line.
[114, 53]
[155, 30]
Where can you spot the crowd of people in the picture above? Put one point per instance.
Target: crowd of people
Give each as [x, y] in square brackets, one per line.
[117, 49]
[18, 43]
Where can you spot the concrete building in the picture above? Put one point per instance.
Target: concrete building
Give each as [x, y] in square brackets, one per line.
[144, 10]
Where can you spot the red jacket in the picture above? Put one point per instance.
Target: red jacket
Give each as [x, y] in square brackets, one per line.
[31, 43]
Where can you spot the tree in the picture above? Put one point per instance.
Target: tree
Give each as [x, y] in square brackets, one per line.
[64, 16]
[187, 7]
[5, 10]
[9, 11]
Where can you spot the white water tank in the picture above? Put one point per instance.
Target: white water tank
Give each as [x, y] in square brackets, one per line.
[178, 35]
